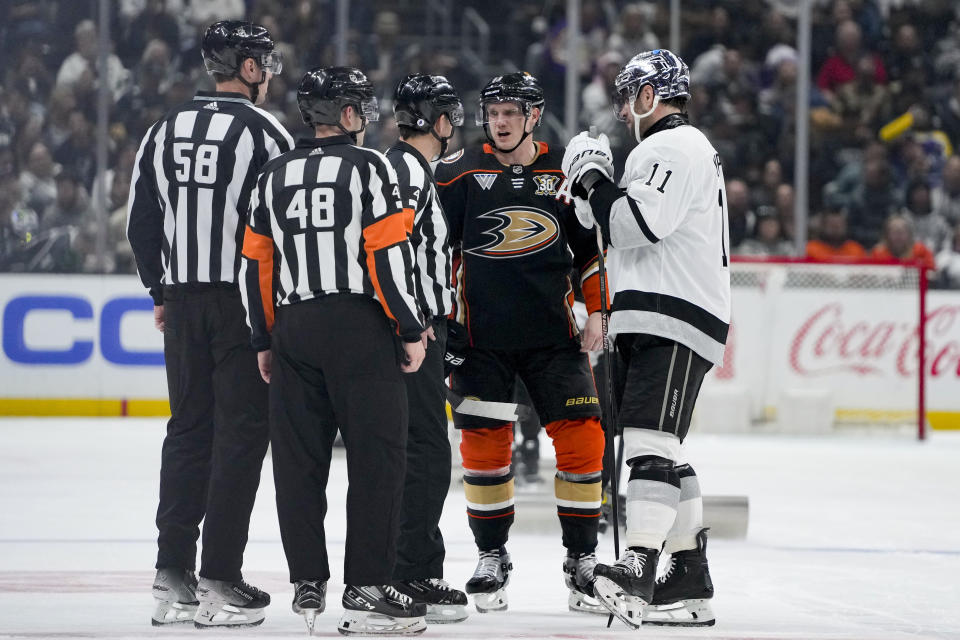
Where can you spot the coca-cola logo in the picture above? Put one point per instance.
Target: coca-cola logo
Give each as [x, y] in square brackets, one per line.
[830, 342]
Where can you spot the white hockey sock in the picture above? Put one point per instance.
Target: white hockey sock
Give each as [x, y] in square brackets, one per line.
[651, 510]
[689, 520]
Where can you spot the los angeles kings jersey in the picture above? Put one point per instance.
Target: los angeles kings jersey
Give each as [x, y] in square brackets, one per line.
[516, 242]
[668, 254]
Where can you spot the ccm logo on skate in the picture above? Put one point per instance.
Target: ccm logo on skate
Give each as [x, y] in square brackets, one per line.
[582, 400]
[54, 318]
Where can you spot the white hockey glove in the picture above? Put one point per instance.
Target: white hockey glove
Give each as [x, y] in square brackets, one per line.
[584, 153]
[584, 212]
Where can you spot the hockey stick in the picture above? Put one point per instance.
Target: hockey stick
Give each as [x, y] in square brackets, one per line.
[505, 411]
[609, 408]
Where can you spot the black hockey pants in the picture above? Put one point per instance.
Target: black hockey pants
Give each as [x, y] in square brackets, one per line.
[420, 550]
[217, 434]
[336, 364]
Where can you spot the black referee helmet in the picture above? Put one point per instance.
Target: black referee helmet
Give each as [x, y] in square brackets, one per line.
[226, 44]
[324, 92]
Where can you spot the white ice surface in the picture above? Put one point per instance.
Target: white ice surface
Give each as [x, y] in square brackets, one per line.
[851, 537]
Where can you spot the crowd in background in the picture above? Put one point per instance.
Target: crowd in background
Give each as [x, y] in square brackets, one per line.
[884, 124]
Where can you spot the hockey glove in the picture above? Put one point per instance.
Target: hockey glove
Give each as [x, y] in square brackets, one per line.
[457, 344]
[584, 153]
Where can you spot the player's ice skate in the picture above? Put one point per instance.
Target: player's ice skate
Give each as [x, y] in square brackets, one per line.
[578, 576]
[626, 587]
[309, 599]
[444, 603]
[380, 610]
[229, 604]
[489, 581]
[175, 592]
[682, 594]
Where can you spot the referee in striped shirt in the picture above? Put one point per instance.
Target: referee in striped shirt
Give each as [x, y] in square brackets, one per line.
[329, 293]
[427, 109]
[189, 196]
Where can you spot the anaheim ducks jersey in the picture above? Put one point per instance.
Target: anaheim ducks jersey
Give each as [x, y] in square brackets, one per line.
[516, 238]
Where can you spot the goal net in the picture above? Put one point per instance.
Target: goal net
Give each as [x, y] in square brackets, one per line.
[815, 347]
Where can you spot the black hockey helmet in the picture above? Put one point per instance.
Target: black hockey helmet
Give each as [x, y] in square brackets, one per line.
[226, 44]
[324, 92]
[519, 87]
[420, 99]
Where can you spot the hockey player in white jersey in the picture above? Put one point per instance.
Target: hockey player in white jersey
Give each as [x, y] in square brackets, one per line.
[667, 235]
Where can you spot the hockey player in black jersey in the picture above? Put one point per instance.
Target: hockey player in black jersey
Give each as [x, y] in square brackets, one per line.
[427, 109]
[517, 239]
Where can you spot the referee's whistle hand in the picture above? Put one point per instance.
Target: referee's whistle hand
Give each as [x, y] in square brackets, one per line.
[158, 317]
[264, 360]
[415, 354]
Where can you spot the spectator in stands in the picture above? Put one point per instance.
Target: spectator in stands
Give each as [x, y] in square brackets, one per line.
[948, 112]
[118, 247]
[839, 69]
[784, 201]
[861, 104]
[65, 221]
[632, 33]
[155, 22]
[873, 200]
[948, 262]
[929, 226]
[909, 68]
[81, 65]
[833, 242]
[769, 239]
[144, 103]
[78, 151]
[23, 123]
[898, 243]
[946, 197]
[765, 192]
[18, 225]
[37, 182]
[61, 104]
[741, 217]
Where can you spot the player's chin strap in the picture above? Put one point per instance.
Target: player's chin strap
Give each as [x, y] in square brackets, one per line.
[638, 116]
[254, 86]
[353, 134]
[444, 140]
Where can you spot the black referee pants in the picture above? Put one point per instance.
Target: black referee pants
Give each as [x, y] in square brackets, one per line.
[336, 364]
[217, 434]
[420, 550]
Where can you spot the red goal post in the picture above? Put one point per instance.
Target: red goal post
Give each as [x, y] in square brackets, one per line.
[845, 338]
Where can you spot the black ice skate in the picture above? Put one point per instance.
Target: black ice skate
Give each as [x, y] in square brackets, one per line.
[682, 594]
[309, 599]
[175, 592]
[489, 581]
[626, 587]
[229, 604]
[444, 603]
[380, 610]
[579, 578]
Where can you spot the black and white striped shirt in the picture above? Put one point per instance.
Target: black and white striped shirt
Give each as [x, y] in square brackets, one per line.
[191, 185]
[431, 247]
[327, 218]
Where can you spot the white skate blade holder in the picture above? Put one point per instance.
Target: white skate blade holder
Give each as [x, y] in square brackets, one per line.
[627, 608]
[493, 601]
[227, 615]
[582, 603]
[686, 613]
[446, 613]
[172, 613]
[367, 623]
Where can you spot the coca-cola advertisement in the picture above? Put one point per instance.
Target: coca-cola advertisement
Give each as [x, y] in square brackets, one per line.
[860, 347]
